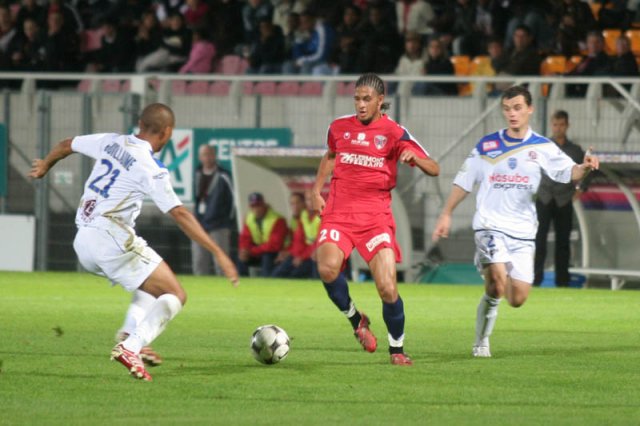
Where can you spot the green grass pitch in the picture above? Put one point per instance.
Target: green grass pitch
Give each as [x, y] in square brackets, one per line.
[566, 357]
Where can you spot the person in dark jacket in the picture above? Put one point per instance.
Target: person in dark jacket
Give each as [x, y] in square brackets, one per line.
[214, 209]
[596, 63]
[266, 54]
[438, 64]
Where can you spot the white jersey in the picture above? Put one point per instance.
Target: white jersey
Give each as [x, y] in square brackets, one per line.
[124, 174]
[509, 173]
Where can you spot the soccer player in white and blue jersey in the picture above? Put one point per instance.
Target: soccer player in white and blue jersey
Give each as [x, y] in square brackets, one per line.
[507, 165]
[124, 174]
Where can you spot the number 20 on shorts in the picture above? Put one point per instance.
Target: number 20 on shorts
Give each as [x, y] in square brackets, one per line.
[333, 235]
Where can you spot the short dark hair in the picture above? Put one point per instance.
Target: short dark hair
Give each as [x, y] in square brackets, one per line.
[156, 117]
[375, 82]
[514, 91]
[561, 115]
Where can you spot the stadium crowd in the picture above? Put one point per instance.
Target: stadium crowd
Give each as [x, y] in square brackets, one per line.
[406, 37]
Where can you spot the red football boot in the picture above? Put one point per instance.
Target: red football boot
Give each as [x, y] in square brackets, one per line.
[364, 335]
[131, 361]
[400, 359]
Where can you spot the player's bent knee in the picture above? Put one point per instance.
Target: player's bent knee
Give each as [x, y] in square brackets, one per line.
[328, 273]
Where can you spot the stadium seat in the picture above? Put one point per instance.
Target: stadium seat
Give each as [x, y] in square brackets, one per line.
[311, 88]
[346, 89]
[462, 67]
[126, 86]
[481, 65]
[288, 88]
[265, 88]
[572, 63]
[595, 9]
[91, 40]
[197, 88]
[84, 86]
[220, 88]
[111, 86]
[178, 87]
[233, 65]
[610, 36]
[634, 36]
[552, 65]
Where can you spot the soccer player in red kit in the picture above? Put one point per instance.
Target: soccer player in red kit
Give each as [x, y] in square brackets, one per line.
[362, 155]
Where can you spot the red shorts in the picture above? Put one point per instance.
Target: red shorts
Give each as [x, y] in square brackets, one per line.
[368, 233]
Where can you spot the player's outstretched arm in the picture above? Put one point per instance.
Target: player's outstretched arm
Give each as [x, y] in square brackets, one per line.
[427, 165]
[192, 228]
[39, 168]
[324, 171]
[591, 162]
[443, 225]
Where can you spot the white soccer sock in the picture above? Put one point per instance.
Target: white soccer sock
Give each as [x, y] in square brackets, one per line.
[396, 343]
[486, 319]
[165, 308]
[141, 302]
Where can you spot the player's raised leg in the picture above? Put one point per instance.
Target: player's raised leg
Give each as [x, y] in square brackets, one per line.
[330, 262]
[162, 284]
[383, 270]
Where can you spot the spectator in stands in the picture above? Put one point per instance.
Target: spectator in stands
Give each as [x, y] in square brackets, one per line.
[167, 8]
[411, 63]
[201, 56]
[296, 261]
[465, 39]
[438, 63]
[61, 46]
[614, 14]
[351, 21]
[581, 17]
[31, 9]
[214, 209]
[596, 63]
[311, 55]
[195, 14]
[7, 34]
[294, 36]
[70, 16]
[414, 16]
[262, 237]
[253, 12]
[174, 48]
[381, 45]
[624, 62]
[499, 60]
[554, 204]
[282, 9]
[531, 14]
[228, 31]
[266, 54]
[26, 49]
[149, 35]
[345, 58]
[569, 37]
[115, 54]
[523, 57]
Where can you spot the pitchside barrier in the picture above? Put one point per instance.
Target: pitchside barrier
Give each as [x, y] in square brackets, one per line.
[36, 116]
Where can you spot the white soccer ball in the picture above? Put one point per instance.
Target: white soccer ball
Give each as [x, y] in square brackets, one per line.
[269, 344]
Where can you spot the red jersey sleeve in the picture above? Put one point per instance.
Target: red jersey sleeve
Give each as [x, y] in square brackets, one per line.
[331, 142]
[407, 141]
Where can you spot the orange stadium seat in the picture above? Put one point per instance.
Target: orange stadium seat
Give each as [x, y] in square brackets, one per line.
[462, 67]
[610, 36]
[554, 64]
[634, 36]
[572, 63]
[595, 9]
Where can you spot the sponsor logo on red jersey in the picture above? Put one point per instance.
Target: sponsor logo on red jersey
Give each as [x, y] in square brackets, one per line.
[361, 160]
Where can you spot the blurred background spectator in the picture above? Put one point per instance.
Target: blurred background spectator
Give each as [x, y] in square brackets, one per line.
[201, 56]
[267, 54]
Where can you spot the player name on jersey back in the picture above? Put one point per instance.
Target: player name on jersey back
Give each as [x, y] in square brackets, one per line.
[117, 152]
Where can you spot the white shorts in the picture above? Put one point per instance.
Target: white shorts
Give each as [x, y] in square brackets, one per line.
[117, 254]
[516, 254]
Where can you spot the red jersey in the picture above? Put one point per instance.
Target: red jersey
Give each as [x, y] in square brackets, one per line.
[366, 163]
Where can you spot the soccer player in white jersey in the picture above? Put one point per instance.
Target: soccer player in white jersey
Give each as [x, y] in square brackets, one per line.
[507, 165]
[125, 172]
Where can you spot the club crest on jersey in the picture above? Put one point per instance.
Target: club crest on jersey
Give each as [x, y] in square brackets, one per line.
[489, 145]
[347, 135]
[380, 141]
[87, 208]
[513, 163]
